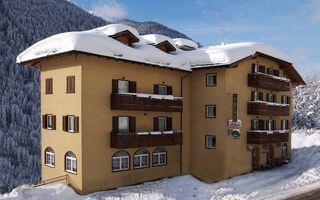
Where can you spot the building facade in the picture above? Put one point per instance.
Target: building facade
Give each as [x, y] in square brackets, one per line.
[109, 122]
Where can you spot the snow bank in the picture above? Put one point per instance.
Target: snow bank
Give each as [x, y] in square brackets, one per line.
[181, 42]
[302, 174]
[97, 41]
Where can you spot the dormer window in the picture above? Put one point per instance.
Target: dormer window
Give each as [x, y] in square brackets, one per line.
[258, 68]
[166, 46]
[125, 37]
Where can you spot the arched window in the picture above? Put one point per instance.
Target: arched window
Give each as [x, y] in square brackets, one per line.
[120, 161]
[284, 150]
[141, 159]
[49, 157]
[159, 157]
[71, 162]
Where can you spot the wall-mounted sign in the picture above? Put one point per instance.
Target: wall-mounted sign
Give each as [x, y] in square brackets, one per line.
[231, 123]
[235, 107]
[235, 133]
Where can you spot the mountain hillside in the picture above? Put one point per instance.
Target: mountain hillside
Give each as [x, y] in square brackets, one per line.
[22, 23]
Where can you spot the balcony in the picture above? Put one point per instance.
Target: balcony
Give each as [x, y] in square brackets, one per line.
[269, 82]
[267, 137]
[146, 102]
[267, 108]
[145, 139]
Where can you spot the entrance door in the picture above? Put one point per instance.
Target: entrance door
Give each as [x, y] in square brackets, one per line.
[270, 156]
[255, 158]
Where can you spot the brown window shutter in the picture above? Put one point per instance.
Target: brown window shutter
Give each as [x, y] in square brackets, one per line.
[169, 90]
[114, 86]
[132, 124]
[262, 69]
[267, 97]
[132, 87]
[289, 102]
[260, 96]
[70, 84]
[282, 99]
[169, 123]
[276, 72]
[65, 123]
[274, 124]
[73, 84]
[267, 124]
[156, 89]
[261, 124]
[252, 95]
[49, 86]
[44, 121]
[287, 126]
[155, 123]
[115, 124]
[268, 71]
[252, 127]
[281, 124]
[274, 98]
[253, 68]
[53, 122]
[76, 124]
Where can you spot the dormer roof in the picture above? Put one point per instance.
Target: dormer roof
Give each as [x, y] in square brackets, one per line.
[162, 42]
[185, 44]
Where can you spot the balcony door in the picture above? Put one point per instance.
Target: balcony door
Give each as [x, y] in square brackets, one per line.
[123, 86]
[255, 158]
[270, 156]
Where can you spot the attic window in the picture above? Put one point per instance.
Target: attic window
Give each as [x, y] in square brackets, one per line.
[125, 37]
[165, 46]
[186, 48]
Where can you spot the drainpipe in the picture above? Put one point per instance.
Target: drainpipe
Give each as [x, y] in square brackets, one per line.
[181, 94]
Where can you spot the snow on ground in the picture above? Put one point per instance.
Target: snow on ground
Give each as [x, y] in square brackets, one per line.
[302, 174]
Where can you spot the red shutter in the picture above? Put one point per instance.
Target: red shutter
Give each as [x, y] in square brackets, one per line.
[262, 69]
[169, 123]
[44, 121]
[76, 124]
[114, 86]
[156, 89]
[132, 87]
[261, 124]
[115, 124]
[53, 122]
[65, 123]
[260, 96]
[132, 124]
[169, 90]
[155, 123]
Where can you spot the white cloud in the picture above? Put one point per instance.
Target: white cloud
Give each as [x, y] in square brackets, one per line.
[108, 9]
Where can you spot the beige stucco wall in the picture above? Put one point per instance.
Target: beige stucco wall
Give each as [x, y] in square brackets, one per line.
[60, 103]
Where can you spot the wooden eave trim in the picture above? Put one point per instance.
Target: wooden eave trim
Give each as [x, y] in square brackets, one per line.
[166, 42]
[132, 37]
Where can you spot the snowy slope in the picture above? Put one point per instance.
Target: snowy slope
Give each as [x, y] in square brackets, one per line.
[300, 175]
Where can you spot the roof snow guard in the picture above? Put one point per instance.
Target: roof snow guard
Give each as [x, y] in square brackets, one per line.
[123, 42]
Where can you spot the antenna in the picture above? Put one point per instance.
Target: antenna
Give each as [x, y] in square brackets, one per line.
[220, 28]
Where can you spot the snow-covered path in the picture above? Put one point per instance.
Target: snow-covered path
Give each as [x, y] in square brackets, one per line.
[303, 173]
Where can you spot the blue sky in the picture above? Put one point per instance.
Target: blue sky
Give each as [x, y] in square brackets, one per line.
[292, 26]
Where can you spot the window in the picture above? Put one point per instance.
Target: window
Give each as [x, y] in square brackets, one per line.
[49, 121]
[70, 123]
[163, 90]
[270, 124]
[123, 124]
[71, 162]
[123, 86]
[284, 150]
[211, 79]
[273, 72]
[49, 157]
[271, 97]
[120, 161]
[162, 123]
[141, 159]
[49, 86]
[210, 141]
[159, 157]
[255, 124]
[256, 96]
[270, 71]
[70, 84]
[285, 124]
[210, 111]
[258, 68]
[285, 99]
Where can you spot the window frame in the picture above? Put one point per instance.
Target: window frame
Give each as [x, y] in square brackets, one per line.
[284, 145]
[139, 156]
[128, 86]
[255, 122]
[49, 116]
[69, 124]
[270, 72]
[128, 124]
[270, 124]
[165, 123]
[285, 100]
[285, 125]
[214, 143]
[165, 87]
[206, 111]
[214, 80]
[268, 97]
[158, 155]
[51, 157]
[73, 161]
[120, 158]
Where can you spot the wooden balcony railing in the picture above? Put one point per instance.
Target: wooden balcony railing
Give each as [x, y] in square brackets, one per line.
[134, 102]
[265, 138]
[133, 140]
[264, 108]
[265, 81]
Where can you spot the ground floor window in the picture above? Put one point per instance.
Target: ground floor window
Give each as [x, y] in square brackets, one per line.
[71, 162]
[210, 141]
[141, 159]
[120, 161]
[159, 157]
[49, 157]
[284, 150]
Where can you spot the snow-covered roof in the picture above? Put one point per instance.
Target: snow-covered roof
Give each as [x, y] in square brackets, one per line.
[98, 42]
[182, 42]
